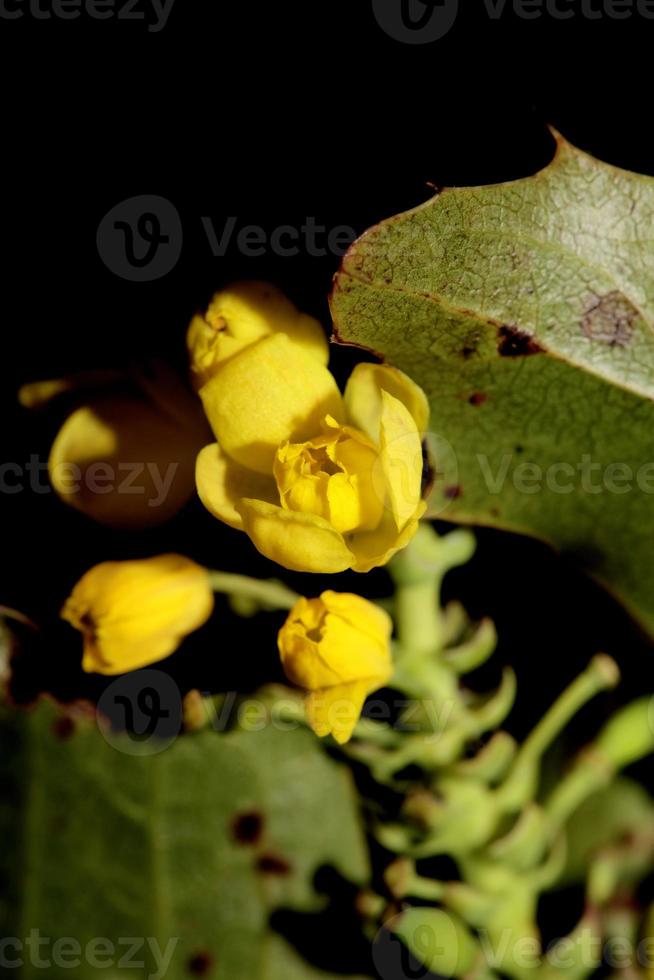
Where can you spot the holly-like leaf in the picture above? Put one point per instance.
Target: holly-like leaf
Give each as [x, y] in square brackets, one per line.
[526, 311]
[188, 851]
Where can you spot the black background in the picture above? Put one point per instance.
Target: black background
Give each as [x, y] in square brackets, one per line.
[273, 112]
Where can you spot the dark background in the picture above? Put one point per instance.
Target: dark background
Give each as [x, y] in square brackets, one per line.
[273, 112]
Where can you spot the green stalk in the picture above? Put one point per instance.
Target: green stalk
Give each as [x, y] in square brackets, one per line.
[269, 594]
[520, 786]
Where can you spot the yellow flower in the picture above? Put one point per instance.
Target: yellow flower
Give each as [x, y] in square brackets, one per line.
[240, 315]
[133, 613]
[126, 455]
[337, 648]
[319, 482]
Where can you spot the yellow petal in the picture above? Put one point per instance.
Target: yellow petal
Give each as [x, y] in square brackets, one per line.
[363, 401]
[222, 483]
[353, 653]
[123, 462]
[271, 392]
[362, 614]
[338, 638]
[300, 542]
[302, 660]
[401, 458]
[375, 548]
[133, 613]
[336, 710]
[332, 476]
[37, 394]
[240, 315]
[301, 484]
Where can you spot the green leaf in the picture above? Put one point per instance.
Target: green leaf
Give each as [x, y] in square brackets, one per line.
[198, 844]
[525, 310]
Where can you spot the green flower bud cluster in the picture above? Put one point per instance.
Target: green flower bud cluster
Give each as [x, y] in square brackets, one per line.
[511, 839]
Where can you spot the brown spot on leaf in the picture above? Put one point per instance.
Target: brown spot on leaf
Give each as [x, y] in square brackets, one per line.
[247, 827]
[609, 319]
[200, 964]
[477, 398]
[452, 492]
[514, 342]
[273, 864]
[63, 727]
[428, 473]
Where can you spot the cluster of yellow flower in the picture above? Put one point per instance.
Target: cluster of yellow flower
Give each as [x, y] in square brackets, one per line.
[320, 481]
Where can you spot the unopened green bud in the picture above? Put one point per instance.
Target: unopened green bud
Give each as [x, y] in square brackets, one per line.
[439, 940]
[629, 735]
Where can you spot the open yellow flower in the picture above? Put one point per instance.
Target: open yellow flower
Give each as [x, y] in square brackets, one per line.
[337, 648]
[319, 482]
[133, 613]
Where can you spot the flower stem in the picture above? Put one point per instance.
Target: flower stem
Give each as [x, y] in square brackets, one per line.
[418, 572]
[266, 594]
[601, 673]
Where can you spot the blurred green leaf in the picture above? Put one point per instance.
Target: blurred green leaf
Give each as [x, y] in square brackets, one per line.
[525, 310]
[199, 843]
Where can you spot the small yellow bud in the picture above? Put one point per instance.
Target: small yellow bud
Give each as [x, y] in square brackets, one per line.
[337, 648]
[133, 613]
[239, 316]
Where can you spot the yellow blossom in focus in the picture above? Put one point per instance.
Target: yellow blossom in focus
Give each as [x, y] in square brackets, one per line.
[337, 648]
[133, 613]
[320, 482]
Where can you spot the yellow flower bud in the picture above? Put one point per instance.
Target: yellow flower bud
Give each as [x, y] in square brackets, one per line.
[316, 488]
[337, 648]
[240, 315]
[133, 613]
[125, 456]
